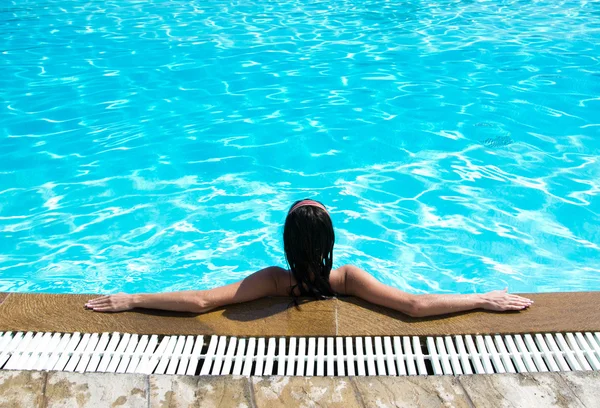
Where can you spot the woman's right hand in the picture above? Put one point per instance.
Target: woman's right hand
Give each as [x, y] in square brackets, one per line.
[112, 303]
[501, 300]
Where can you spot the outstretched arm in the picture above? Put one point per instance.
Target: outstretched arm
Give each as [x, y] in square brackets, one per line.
[266, 282]
[356, 282]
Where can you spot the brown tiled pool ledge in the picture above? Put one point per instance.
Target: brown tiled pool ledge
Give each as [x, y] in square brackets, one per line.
[552, 312]
[60, 389]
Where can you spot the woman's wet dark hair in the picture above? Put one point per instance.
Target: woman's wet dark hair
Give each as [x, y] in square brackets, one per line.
[308, 240]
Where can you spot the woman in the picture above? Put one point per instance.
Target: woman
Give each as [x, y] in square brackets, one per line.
[308, 240]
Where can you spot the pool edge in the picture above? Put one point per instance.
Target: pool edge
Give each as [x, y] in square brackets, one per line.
[552, 312]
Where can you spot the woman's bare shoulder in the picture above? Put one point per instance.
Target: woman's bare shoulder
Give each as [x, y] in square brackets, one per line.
[337, 279]
[283, 279]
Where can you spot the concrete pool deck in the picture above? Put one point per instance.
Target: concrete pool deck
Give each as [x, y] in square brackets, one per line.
[557, 312]
[30, 389]
[552, 312]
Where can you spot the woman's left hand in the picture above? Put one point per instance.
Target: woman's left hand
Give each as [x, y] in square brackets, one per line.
[111, 303]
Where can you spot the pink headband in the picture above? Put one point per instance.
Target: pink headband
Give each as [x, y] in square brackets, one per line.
[304, 203]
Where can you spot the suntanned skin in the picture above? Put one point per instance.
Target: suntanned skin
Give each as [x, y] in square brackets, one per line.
[276, 281]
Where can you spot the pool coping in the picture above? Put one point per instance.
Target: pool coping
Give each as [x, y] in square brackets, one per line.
[552, 312]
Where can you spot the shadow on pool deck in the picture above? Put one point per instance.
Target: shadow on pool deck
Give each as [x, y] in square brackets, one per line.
[552, 312]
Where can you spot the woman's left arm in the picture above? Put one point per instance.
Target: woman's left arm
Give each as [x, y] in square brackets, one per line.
[266, 282]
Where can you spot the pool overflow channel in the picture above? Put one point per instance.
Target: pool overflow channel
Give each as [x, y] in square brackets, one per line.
[299, 356]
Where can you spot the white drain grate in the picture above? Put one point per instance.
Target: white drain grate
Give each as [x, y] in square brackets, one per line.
[332, 356]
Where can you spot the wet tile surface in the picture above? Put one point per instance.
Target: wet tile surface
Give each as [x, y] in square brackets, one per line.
[209, 392]
[21, 389]
[273, 392]
[316, 318]
[276, 316]
[94, 390]
[20, 312]
[356, 317]
[425, 392]
[520, 391]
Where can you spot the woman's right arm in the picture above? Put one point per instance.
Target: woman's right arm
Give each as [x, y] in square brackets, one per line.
[356, 282]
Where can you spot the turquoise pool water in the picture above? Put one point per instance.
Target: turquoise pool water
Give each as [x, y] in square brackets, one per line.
[156, 145]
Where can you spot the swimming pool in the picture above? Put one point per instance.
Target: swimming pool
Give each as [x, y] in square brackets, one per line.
[156, 145]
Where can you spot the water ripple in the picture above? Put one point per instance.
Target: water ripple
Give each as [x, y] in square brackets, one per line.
[155, 145]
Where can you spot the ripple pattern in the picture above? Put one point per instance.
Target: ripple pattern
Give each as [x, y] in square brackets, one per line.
[151, 145]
